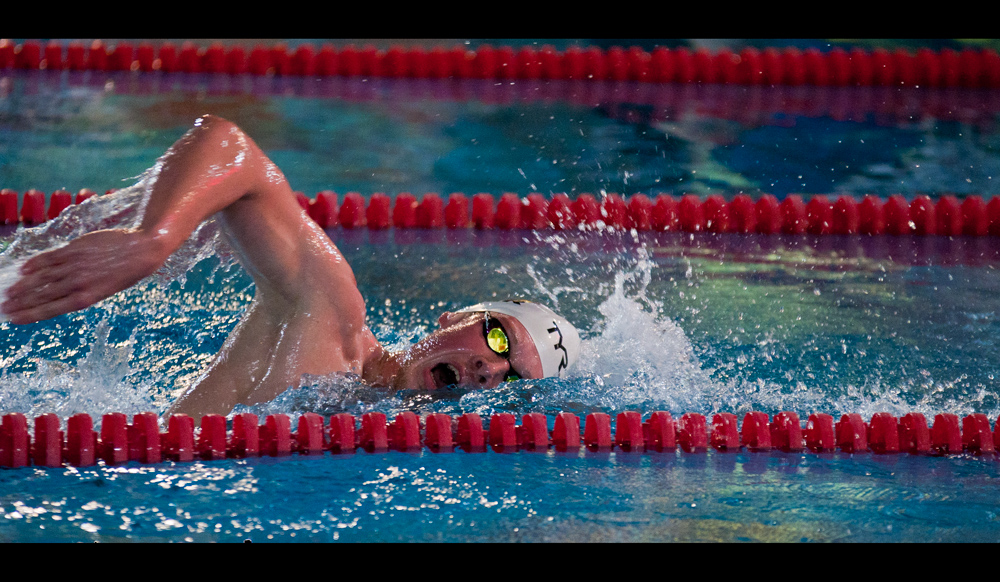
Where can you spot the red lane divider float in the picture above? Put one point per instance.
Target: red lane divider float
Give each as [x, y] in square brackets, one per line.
[750, 66]
[141, 441]
[947, 215]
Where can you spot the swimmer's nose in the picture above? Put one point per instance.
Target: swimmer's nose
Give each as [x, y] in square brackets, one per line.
[490, 372]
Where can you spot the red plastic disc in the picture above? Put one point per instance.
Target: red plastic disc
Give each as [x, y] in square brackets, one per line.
[532, 434]
[59, 201]
[482, 211]
[374, 435]
[786, 432]
[144, 438]
[456, 212]
[534, 212]
[871, 219]
[946, 437]
[897, 216]
[820, 434]
[914, 436]
[81, 440]
[977, 437]
[819, 215]
[212, 437]
[343, 437]
[503, 432]
[508, 214]
[793, 215]
[245, 440]
[716, 214]
[566, 432]
[660, 432]
[430, 211]
[664, 213]
[8, 205]
[114, 447]
[692, 433]
[742, 214]
[922, 215]
[276, 436]
[628, 431]
[852, 434]
[469, 434]
[404, 211]
[949, 216]
[560, 213]
[597, 432]
[614, 212]
[691, 214]
[845, 216]
[725, 434]
[438, 434]
[323, 209]
[768, 216]
[883, 434]
[404, 432]
[586, 210]
[640, 209]
[756, 433]
[178, 443]
[352, 211]
[46, 450]
[310, 435]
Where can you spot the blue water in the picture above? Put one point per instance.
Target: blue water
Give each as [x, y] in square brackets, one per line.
[674, 322]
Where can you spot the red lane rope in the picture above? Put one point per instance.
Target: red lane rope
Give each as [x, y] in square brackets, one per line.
[770, 66]
[119, 441]
[629, 102]
[947, 215]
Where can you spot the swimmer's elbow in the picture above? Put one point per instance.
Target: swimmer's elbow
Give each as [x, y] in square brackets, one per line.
[213, 128]
[209, 121]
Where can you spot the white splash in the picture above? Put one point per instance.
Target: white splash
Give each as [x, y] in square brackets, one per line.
[120, 209]
[98, 382]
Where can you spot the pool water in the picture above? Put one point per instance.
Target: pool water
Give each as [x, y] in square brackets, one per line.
[672, 321]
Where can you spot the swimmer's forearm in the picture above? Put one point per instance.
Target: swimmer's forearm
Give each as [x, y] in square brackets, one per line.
[212, 167]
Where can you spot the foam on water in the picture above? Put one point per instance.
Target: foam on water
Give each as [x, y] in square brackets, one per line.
[96, 384]
[634, 356]
[100, 381]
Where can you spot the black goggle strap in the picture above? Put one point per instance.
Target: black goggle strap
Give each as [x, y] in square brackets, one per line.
[497, 340]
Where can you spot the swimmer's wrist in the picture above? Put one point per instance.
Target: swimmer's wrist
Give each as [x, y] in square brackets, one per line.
[156, 246]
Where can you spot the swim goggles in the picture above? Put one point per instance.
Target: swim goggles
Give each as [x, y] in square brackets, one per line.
[496, 339]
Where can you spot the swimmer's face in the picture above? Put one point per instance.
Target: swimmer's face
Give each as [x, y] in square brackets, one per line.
[458, 354]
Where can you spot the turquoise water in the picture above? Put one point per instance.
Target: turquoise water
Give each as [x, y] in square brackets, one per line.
[706, 323]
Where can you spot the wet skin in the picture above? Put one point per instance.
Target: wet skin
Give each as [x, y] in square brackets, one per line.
[307, 315]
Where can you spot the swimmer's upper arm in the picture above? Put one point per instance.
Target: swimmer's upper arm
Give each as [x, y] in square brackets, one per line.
[217, 168]
[214, 169]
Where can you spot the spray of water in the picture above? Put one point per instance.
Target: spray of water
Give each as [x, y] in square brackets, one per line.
[634, 356]
[33, 381]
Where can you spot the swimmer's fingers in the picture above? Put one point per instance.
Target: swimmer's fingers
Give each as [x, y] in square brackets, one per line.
[89, 269]
[44, 287]
[75, 289]
[46, 260]
[38, 275]
[61, 289]
[66, 304]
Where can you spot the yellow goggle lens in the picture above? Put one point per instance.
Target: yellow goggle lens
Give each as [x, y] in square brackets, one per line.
[497, 340]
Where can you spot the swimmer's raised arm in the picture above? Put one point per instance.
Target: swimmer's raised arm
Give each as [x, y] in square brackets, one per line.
[214, 168]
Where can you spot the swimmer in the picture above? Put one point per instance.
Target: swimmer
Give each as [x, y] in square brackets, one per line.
[307, 315]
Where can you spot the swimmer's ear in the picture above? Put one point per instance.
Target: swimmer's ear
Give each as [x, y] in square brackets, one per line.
[449, 318]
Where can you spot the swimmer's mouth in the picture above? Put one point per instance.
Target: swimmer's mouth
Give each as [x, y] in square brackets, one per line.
[444, 374]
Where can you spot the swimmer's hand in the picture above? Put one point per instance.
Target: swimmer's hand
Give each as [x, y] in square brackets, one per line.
[87, 270]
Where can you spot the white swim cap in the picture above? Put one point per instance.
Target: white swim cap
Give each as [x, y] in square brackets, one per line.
[557, 341]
